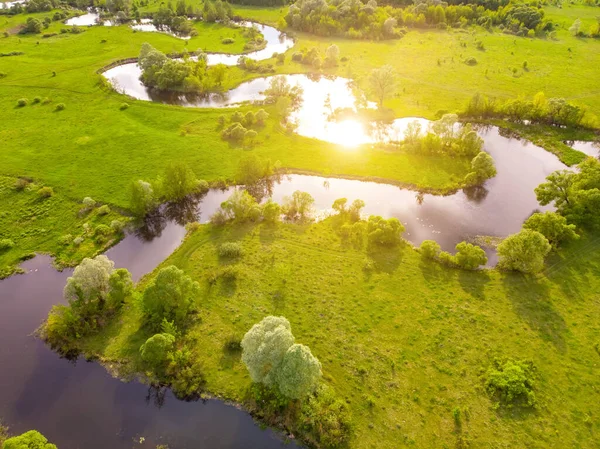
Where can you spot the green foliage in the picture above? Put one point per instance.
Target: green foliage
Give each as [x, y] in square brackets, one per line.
[32, 26]
[552, 111]
[59, 107]
[327, 419]
[230, 250]
[299, 206]
[29, 440]
[483, 168]
[178, 181]
[430, 249]
[384, 232]
[142, 198]
[576, 195]
[172, 295]
[252, 169]
[469, 256]
[45, 192]
[511, 383]
[299, 372]
[552, 226]
[524, 251]
[155, 350]
[6, 244]
[271, 211]
[383, 83]
[22, 102]
[239, 207]
[103, 210]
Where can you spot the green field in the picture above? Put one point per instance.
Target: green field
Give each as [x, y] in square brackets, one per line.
[403, 344]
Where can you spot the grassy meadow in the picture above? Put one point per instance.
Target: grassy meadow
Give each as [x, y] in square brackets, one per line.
[404, 343]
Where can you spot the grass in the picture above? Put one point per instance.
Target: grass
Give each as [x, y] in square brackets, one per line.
[404, 343]
[47, 225]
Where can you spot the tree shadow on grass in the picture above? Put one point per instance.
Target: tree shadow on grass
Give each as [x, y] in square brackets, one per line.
[532, 302]
[230, 357]
[268, 233]
[386, 259]
[434, 272]
[473, 282]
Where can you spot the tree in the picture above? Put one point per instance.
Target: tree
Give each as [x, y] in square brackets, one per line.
[483, 168]
[239, 205]
[575, 29]
[261, 117]
[299, 372]
[155, 350]
[332, 55]
[552, 226]
[33, 26]
[120, 288]
[298, 206]
[219, 73]
[87, 289]
[178, 181]
[469, 256]
[252, 169]
[383, 83]
[339, 205]
[384, 232]
[29, 440]
[264, 346]
[388, 26]
[271, 211]
[171, 295]
[557, 188]
[524, 251]
[142, 198]
[355, 209]
[430, 249]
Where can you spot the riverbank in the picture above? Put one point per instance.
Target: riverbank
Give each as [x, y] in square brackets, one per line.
[453, 324]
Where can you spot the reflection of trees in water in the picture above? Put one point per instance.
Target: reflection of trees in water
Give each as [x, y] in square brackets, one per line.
[263, 188]
[476, 194]
[181, 212]
[157, 395]
[420, 197]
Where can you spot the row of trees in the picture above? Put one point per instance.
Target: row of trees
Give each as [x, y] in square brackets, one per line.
[550, 111]
[355, 19]
[189, 75]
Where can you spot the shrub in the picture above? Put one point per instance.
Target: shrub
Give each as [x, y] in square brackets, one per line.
[45, 192]
[22, 102]
[89, 203]
[271, 211]
[102, 230]
[511, 383]
[6, 244]
[21, 184]
[124, 106]
[384, 232]
[142, 199]
[298, 206]
[78, 241]
[230, 250]
[471, 61]
[103, 210]
[327, 419]
[219, 218]
[551, 225]
[171, 296]
[228, 41]
[37, 100]
[154, 351]
[469, 256]
[117, 226]
[430, 249]
[249, 118]
[59, 107]
[65, 240]
[261, 117]
[29, 440]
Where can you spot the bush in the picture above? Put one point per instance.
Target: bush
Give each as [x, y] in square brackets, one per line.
[37, 100]
[21, 184]
[103, 210]
[219, 218]
[430, 249]
[45, 192]
[22, 102]
[102, 230]
[6, 244]
[551, 225]
[59, 107]
[77, 241]
[261, 117]
[384, 232]
[89, 203]
[511, 383]
[29, 440]
[117, 226]
[469, 256]
[65, 240]
[524, 251]
[271, 211]
[154, 351]
[471, 61]
[327, 419]
[124, 106]
[230, 250]
[228, 41]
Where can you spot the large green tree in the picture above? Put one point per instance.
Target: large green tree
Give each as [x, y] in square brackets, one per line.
[299, 372]
[551, 225]
[524, 251]
[29, 440]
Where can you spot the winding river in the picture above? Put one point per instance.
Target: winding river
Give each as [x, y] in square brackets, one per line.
[80, 405]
